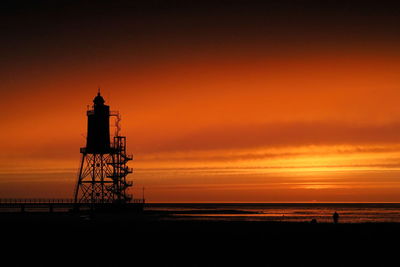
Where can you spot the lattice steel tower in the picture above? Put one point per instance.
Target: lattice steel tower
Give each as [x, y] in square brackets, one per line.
[103, 169]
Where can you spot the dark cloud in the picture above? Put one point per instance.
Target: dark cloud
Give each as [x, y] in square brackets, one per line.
[278, 135]
[84, 30]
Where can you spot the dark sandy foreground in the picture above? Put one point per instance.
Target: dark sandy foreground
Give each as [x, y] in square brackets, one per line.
[122, 240]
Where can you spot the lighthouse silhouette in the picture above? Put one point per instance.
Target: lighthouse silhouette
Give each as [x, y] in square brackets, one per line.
[98, 135]
[103, 170]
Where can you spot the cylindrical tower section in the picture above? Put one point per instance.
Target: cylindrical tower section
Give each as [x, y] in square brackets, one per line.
[98, 135]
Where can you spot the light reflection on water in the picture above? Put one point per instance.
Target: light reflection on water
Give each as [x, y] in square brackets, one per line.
[349, 213]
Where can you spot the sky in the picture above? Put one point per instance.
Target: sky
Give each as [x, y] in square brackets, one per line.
[221, 101]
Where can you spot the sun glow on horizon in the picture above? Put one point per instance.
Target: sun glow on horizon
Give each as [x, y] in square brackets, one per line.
[232, 107]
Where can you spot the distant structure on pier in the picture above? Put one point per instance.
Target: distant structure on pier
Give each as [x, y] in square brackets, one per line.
[103, 171]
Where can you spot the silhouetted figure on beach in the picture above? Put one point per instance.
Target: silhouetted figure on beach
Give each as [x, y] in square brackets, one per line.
[335, 217]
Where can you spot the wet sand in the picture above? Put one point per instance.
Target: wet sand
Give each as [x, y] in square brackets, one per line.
[150, 240]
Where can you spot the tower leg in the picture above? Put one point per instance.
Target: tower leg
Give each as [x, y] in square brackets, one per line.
[94, 179]
[79, 183]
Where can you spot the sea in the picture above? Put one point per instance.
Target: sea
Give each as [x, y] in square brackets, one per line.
[281, 212]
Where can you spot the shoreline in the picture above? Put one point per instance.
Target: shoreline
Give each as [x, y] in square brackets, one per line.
[161, 216]
[156, 242]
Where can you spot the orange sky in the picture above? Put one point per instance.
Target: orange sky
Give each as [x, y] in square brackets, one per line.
[247, 118]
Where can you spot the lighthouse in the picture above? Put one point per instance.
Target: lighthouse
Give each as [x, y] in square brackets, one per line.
[103, 171]
[98, 132]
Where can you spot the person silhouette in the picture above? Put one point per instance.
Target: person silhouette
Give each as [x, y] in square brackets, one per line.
[335, 217]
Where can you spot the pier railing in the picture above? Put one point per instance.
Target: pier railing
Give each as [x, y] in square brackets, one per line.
[63, 204]
[59, 201]
[35, 200]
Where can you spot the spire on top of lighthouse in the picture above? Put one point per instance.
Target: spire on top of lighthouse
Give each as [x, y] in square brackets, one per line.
[99, 100]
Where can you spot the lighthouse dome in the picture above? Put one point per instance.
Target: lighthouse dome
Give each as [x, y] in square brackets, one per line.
[98, 100]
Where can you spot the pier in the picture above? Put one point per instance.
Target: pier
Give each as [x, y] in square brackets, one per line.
[64, 205]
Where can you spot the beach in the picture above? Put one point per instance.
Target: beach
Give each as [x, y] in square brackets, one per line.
[155, 240]
[280, 212]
